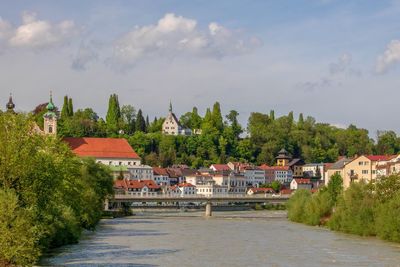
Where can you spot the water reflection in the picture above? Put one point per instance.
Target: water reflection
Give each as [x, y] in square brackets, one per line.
[228, 239]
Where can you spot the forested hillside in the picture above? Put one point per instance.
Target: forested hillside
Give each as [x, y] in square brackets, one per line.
[223, 138]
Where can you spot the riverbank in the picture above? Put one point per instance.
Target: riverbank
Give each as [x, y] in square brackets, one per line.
[363, 209]
[248, 238]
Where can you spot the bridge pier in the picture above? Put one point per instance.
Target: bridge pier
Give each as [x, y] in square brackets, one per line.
[208, 209]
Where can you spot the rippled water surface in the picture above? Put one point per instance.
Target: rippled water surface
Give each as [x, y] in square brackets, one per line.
[227, 239]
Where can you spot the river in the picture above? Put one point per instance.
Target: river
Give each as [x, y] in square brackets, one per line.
[250, 238]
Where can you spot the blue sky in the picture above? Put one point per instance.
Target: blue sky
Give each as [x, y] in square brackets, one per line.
[335, 60]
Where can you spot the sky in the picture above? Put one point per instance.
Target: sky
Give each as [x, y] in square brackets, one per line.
[338, 61]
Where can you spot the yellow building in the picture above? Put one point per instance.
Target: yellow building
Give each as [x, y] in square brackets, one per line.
[336, 168]
[283, 158]
[363, 168]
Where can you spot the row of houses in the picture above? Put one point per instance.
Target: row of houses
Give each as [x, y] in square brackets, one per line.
[232, 178]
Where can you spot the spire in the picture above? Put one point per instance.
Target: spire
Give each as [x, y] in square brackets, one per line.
[50, 105]
[10, 105]
[170, 106]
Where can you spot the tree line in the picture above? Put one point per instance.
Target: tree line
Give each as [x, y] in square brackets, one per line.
[47, 195]
[367, 209]
[223, 138]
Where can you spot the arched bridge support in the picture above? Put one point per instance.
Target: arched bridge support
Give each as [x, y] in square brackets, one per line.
[208, 209]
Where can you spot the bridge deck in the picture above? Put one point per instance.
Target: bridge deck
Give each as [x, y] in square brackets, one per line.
[228, 198]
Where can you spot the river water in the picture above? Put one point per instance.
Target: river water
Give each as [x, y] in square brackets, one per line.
[262, 238]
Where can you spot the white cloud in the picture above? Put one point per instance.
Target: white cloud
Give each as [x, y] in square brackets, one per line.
[38, 34]
[390, 57]
[176, 36]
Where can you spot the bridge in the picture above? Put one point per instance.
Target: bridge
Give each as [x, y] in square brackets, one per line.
[118, 199]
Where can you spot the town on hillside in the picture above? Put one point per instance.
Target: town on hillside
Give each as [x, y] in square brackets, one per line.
[282, 178]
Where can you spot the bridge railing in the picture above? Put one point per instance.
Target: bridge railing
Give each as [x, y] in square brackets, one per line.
[199, 197]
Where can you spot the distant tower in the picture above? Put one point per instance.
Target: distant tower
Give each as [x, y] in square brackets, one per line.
[10, 105]
[170, 106]
[50, 118]
[283, 158]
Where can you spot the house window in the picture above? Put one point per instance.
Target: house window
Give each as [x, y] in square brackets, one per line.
[129, 163]
[110, 162]
[120, 163]
[364, 171]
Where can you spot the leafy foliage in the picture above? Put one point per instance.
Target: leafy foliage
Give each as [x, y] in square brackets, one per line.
[47, 195]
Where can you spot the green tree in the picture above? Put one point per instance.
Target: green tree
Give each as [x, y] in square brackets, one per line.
[128, 114]
[70, 108]
[232, 117]
[388, 143]
[216, 117]
[140, 123]
[65, 109]
[113, 114]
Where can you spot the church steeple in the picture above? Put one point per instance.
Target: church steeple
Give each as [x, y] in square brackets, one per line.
[10, 105]
[50, 118]
[170, 106]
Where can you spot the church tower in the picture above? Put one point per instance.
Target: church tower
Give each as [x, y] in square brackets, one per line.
[50, 118]
[10, 105]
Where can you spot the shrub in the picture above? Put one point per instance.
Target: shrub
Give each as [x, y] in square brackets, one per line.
[355, 211]
[388, 219]
[296, 205]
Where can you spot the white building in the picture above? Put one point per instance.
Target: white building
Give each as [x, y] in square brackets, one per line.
[282, 174]
[108, 151]
[235, 182]
[300, 183]
[210, 188]
[314, 170]
[254, 176]
[141, 172]
[186, 189]
[172, 126]
[160, 176]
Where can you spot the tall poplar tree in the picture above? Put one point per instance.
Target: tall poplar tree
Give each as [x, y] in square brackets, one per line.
[65, 109]
[70, 108]
[140, 123]
[113, 114]
[216, 117]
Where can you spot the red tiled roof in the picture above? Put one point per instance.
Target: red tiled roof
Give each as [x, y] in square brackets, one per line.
[277, 168]
[101, 147]
[264, 167]
[185, 185]
[139, 184]
[220, 167]
[160, 171]
[302, 181]
[120, 184]
[378, 157]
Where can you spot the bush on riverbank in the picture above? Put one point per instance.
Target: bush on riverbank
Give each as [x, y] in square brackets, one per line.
[363, 209]
[47, 195]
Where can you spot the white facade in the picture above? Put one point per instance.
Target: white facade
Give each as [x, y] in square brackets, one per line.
[161, 179]
[254, 176]
[172, 126]
[311, 170]
[118, 162]
[187, 189]
[211, 189]
[236, 183]
[141, 172]
[297, 184]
